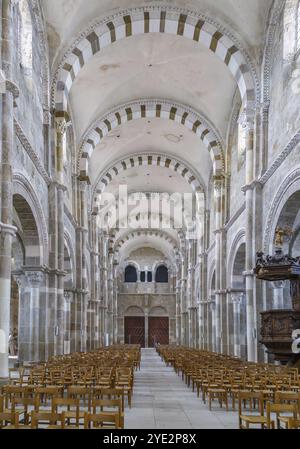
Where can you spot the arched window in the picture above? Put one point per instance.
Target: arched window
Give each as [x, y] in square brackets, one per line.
[162, 275]
[25, 36]
[130, 275]
[291, 28]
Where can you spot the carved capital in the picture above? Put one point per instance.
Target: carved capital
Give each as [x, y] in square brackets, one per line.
[60, 126]
[34, 278]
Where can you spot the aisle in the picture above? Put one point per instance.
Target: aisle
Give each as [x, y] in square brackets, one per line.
[162, 401]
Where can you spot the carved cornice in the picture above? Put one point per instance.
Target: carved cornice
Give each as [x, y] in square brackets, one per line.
[12, 88]
[280, 159]
[31, 153]
[268, 61]
[37, 14]
[235, 217]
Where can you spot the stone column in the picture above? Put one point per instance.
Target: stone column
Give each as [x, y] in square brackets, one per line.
[202, 343]
[250, 247]
[105, 288]
[183, 310]
[81, 249]
[67, 321]
[236, 301]
[115, 302]
[212, 306]
[61, 127]
[7, 231]
[218, 186]
[178, 313]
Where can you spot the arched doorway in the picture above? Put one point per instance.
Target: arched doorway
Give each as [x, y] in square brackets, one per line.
[134, 326]
[158, 327]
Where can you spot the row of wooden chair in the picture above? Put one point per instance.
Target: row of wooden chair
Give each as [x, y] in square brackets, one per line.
[71, 391]
[261, 389]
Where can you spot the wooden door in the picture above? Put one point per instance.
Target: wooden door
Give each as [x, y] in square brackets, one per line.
[158, 331]
[135, 330]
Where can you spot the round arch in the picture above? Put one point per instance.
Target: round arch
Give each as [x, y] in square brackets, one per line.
[69, 263]
[144, 109]
[163, 20]
[158, 311]
[289, 186]
[148, 160]
[27, 200]
[134, 311]
[239, 239]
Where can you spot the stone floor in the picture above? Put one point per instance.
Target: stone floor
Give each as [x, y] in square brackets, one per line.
[161, 400]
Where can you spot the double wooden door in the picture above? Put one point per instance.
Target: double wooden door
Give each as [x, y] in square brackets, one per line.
[158, 331]
[135, 330]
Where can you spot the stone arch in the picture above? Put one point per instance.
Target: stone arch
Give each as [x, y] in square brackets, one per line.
[131, 274]
[134, 311]
[289, 187]
[143, 109]
[156, 19]
[239, 239]
[149, 159]
[161, 218]
[132, 235]
[158, 311]
[22, 188]
[162, 274]
[238, 313]
[69, 264]
[212, 279]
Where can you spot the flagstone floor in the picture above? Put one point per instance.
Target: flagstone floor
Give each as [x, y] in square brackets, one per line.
[162, 400]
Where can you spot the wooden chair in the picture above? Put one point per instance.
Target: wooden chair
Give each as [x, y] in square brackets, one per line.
[25, 404]
[48, 393]
[246, 420]
[47, 420]
[109, 393]
[80, 393]
[101, 421]
[293, 423]
[106, 406]
[220, 394]
[278, 409]
[70, 408]
[6, 418]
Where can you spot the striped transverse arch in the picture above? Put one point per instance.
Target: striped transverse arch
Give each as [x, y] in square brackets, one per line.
[145, 233]
[152, 109]
[137, 21]
[147, 160]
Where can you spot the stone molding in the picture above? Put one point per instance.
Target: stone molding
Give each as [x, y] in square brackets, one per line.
[280, 159]
[31, 153]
